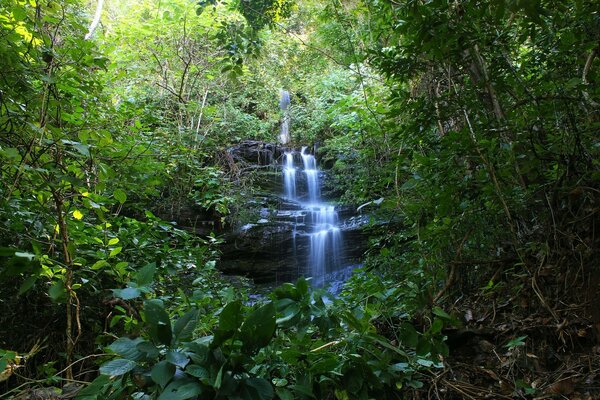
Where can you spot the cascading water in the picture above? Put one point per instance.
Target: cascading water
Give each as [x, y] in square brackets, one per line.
[325, 243]
[284, 102]
[289, 174]
[312, 176]
[319, 220]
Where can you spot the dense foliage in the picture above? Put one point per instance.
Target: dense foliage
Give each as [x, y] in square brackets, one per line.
[467, 130]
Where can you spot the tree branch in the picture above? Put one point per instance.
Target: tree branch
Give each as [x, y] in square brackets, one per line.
[96, 20]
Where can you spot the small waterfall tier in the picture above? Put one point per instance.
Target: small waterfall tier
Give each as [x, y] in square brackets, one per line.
[313, 218]
[284, 102]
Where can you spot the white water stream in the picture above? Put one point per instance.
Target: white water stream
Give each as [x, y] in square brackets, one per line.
[319, 221]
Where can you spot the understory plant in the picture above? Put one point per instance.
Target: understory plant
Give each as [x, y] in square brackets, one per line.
[297, 343]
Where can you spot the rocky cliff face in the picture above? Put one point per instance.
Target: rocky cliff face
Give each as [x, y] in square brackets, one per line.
[274, 243]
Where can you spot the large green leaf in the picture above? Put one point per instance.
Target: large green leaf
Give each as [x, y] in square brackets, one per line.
[408, 335]
[229, 321]
[259, 389]
[198, 371]
[158, 319]
[92, 390]
[57, 291]
[145, 276]
[231, 317]
[120, 196]
[181, 390]
[117, 367]
[162, 373]
[185, 325]
[149, 350]
[127, 348]
[259, 327]
[177, 358]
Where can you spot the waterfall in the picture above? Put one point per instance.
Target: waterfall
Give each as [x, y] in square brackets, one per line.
[325, 243]
[320, 223]
[284, 102]
[312, 175]
[289, 174]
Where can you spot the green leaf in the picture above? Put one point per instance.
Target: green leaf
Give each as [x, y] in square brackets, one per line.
[516, 342]
[127, 348]
[27, 284]
[11, 153]
[229, 321]
[441, 313]
[425, 362]
[120, 196]
[162, 373]
[261, 388]
[231, 317]
[99, 265]
[408, 335]
[177, 358]
[181, 390]
[145, 276]
[218, 379]
[117, 367]
[57, 291]
[95, 388]
[197, 371]
[437, 326]
[259, 327]
[115, 251]
[158, 319]
[302, 286]
[400, 367]
[149, 349]
[284, 394]
[127, 293]
[289, 313]
[185, 325]
[82, 149]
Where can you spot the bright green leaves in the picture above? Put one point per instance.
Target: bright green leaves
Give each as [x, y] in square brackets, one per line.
[120, 196]
[260, 13]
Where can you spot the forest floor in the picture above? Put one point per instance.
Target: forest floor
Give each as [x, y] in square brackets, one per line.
[511, 347]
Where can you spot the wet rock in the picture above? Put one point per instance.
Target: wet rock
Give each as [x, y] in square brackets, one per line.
[278, 250]
[256, 152]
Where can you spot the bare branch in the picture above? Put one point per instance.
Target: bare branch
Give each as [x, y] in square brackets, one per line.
[96, 20]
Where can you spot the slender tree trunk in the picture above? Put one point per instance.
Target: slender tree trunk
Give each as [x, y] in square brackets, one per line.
[64, 236]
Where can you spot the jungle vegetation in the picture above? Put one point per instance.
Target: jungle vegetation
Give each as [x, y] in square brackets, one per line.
[477, 123]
